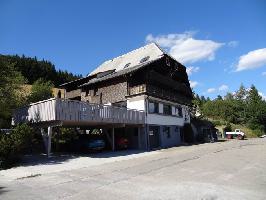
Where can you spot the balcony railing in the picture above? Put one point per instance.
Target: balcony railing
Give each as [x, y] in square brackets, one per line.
[76, 111]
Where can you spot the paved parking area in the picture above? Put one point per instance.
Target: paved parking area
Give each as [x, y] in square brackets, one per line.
[225, 170]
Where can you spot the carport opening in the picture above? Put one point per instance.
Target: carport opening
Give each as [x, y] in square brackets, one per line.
[89, 140]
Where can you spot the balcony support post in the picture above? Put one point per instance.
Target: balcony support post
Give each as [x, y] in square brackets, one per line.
[139, 142]
[113, 139]
[49, 141]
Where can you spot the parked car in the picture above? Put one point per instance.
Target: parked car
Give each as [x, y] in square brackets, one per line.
[122, 143]
[85, 144]
[96, 144]
[240, 135]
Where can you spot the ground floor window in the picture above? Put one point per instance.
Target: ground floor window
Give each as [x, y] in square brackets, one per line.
[166, 131]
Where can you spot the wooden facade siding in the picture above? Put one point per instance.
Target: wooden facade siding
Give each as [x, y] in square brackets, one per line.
[111, 93]
[76, 111]
[73, 93]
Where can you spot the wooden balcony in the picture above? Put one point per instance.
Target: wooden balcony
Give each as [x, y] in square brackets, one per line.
[75, 113]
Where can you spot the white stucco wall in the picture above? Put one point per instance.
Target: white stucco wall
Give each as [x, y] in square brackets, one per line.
[164, 120]
[174, 139]
[186, 114]
[160, 108]
[136, 103]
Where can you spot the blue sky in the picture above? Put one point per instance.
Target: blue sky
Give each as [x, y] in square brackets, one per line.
[222, 43]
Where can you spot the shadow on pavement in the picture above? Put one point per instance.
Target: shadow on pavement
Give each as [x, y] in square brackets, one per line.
[57, 158]
[2, 190]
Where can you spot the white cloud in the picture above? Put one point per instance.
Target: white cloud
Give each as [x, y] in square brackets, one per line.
[263, 73]
[211, 90]
[252, 60]
[262, 95]
[233, 44]
[190, 70]
[223, 88]
[193, 84]
[186, 49]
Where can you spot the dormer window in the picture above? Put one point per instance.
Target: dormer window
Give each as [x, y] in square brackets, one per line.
[168, 62]
[144, 59]
[127, 65]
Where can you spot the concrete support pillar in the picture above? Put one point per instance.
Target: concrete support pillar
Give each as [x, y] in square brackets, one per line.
[44, 138]
[147, 134]
[139, 139]
[113, 139]
[49, 141]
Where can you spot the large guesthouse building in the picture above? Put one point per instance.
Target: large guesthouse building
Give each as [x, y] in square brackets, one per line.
[145, 79]
[144, 94]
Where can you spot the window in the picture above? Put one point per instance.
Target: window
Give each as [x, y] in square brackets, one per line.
[167, 109]
[166, 131]
[141, 88]
[127, 65]
[87, 93]
[179, 112]
[144, 59]
[153, 107]
[95, 92]
[59, 94]
[101, 98]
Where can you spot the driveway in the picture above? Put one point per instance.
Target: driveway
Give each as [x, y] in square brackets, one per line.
[225, 170]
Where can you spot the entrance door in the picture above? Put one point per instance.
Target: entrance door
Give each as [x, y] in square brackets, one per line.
[154, 134]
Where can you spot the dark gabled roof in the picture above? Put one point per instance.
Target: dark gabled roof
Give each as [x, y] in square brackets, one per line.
[131, 59]
[119, 73]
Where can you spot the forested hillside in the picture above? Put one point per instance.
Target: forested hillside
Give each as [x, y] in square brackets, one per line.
[243, 107]
[33, 69]
[16, 71]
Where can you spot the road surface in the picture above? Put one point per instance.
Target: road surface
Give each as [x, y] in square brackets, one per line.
[224, 170]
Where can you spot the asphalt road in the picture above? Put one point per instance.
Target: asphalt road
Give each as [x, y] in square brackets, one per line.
[224, 170]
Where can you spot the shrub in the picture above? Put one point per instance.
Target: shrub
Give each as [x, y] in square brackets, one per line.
[228, 127]
[63, 139]
[258, 132]
[217, 123]
[13, 145]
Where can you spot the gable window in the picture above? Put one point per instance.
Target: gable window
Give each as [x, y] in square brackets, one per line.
[167, 109]
[153, 107]
[179, 112]
[127, 65]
